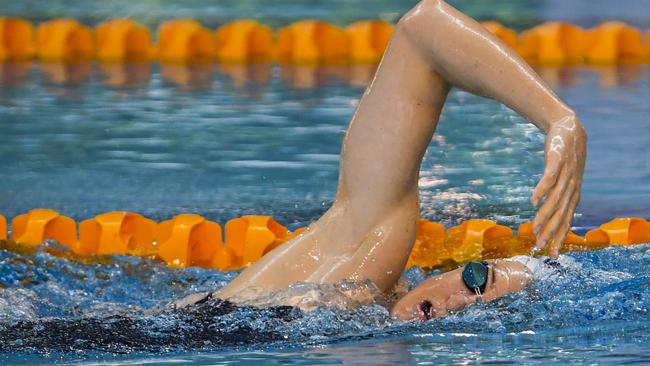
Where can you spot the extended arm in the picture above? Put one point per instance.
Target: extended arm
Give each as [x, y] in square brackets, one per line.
[369, 231]
[466, 55]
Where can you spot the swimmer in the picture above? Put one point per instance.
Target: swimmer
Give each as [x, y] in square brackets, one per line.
[475, 282]
[369, 231]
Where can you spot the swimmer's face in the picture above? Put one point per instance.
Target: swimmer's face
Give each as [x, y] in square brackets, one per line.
[440, 295]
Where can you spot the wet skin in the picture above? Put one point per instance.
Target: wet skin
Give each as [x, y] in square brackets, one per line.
[369, 231]
[440, 295]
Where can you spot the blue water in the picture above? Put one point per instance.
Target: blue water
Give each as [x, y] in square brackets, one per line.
[263, 139]
[224, 141]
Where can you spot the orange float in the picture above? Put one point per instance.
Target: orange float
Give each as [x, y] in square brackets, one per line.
[624, 231]
[122, 40]
[224, 259]
[3, 228]
[429, 249]
[16, 39]
[244, 40]
[312, 41]
[117, 233]
[250, 237]
[64, 39]
[188, 240]
[506, 35]
[368, 40]
[38, 225]
[611, 42]
[527, 240]
[476, 239]
[184, 40]
[554, 43]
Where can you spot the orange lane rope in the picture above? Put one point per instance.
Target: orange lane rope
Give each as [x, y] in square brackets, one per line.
[302, 42]
[191, 240]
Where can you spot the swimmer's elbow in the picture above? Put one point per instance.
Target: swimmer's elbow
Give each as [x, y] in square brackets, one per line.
[425, 8]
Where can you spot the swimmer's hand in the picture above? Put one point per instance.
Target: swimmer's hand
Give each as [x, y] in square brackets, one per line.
[564, 156]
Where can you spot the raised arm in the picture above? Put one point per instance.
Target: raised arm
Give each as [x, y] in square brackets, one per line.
[369, 231]
[468, 56]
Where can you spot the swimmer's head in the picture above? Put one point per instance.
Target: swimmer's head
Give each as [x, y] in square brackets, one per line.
[440, 295]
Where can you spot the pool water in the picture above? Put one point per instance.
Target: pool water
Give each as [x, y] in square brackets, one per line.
[223, 140]
[266, 140]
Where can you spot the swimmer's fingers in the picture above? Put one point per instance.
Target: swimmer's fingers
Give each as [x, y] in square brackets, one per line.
[551, 174]
[547, 230]
[563, 230]
[553, 200]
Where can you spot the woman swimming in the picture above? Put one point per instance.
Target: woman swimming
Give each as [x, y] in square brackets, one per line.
[370, 229]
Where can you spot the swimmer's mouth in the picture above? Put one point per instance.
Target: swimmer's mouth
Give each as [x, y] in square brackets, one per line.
[426, 310]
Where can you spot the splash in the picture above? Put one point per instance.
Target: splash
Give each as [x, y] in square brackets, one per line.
[119, 305]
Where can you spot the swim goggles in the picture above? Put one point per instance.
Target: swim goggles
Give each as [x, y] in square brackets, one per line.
[475, 276]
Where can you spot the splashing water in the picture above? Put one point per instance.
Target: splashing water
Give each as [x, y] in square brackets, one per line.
[118, 305]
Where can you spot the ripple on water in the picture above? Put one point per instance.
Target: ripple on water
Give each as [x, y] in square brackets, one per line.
[51, 304]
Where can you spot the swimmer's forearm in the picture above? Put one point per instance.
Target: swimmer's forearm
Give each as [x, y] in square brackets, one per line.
[466, 55]
[470, 57]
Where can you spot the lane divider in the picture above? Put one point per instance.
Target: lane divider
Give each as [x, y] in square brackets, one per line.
[312, 41]
[123, 40]
[251, 237]
[527, 239]
[623, 231]
[368, 39]
[611, 42]
[183, 40]
[188, 240]
[64, 40]
[3, 228]
[553, 43]
[474, 237]
[16, 39]
[39, 225]
[429, 249]
[117, 233]
[244, 41]
[303, 42]
[191, 240]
